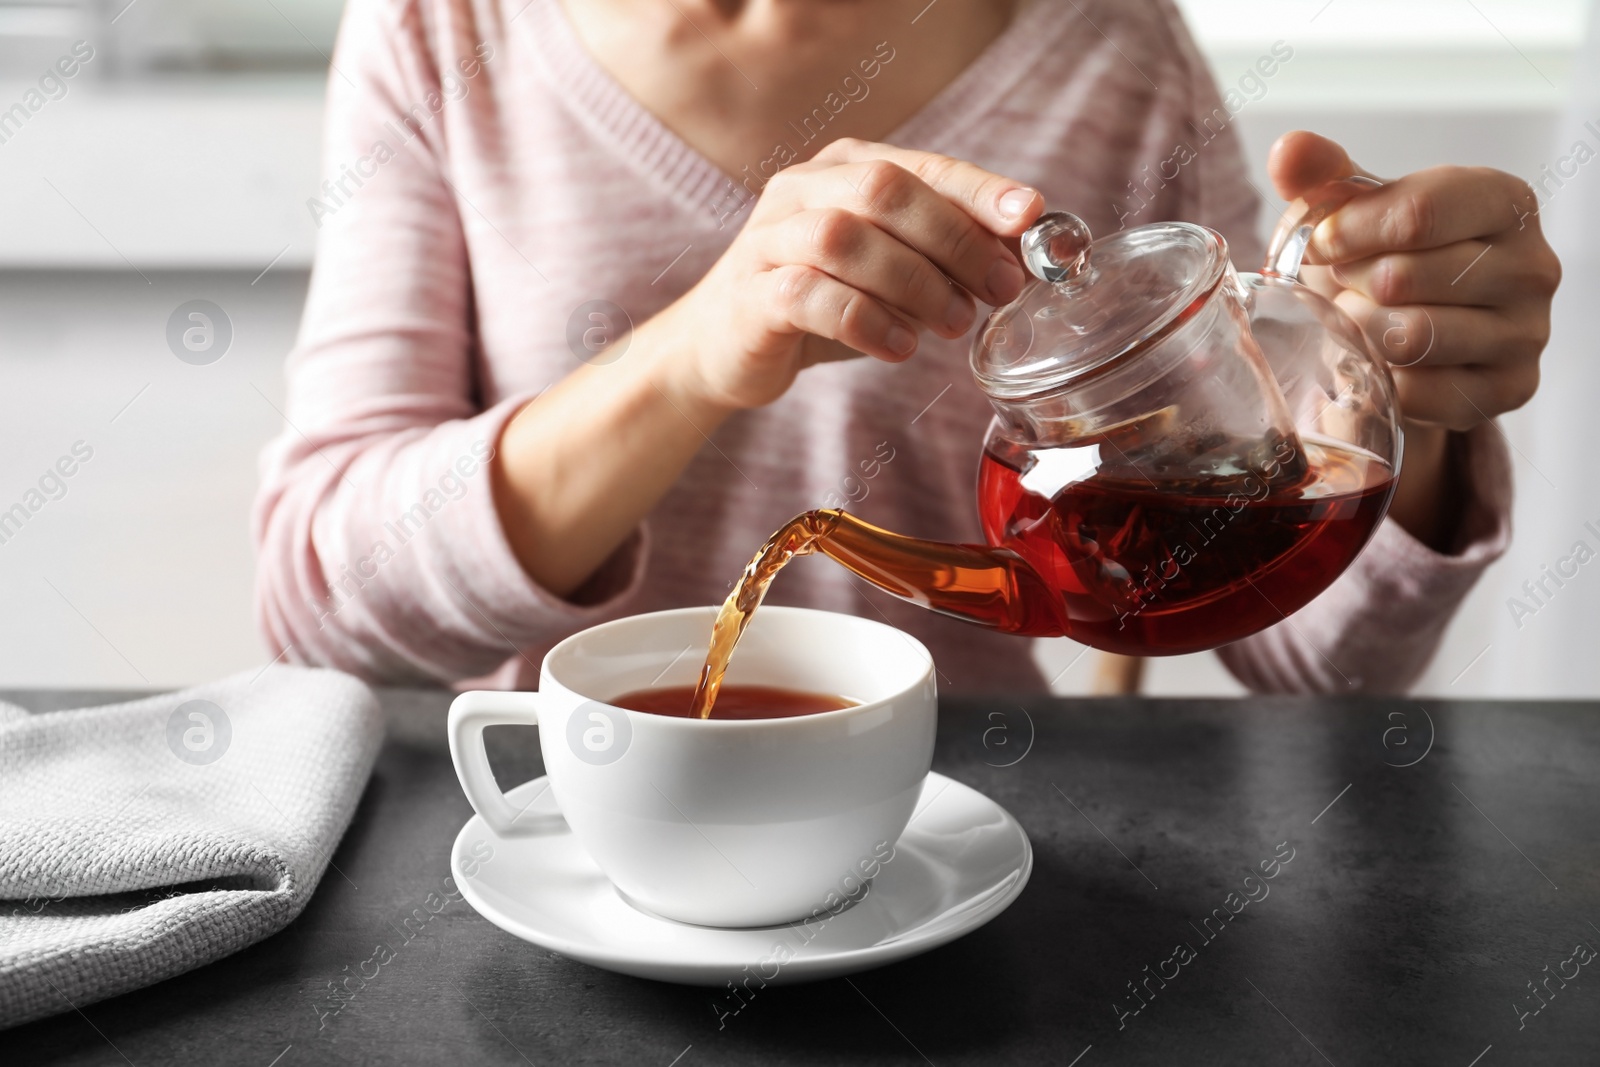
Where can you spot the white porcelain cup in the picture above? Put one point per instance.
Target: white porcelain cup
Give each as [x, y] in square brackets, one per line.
[738, 822]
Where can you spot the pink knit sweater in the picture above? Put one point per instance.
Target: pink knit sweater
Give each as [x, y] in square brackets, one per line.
[487, 177]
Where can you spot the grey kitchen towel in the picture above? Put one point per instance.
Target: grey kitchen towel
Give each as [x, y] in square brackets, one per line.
[140, 840]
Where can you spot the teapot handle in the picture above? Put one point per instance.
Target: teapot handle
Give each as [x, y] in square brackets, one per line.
[1293, 235]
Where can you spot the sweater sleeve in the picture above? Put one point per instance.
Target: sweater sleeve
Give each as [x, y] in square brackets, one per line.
[1379, 624]
[380, 550]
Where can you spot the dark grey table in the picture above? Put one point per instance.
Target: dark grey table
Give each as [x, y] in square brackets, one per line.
[1444, 857]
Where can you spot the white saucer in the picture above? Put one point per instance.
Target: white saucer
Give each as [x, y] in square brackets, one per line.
[961, 861]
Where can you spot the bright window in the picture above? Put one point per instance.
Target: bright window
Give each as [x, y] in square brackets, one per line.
[1478, 55]
[1390, 24]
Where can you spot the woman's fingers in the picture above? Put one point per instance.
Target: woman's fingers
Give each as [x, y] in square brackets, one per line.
[859, 254]
[951, 217]
[855, 250]
[1466, 273]
[1469, 273]
[803, 299]
[1429, 209]
[1460, 398]
[906, 208]
[1415, 335]
[1453, 366]
[1004, 206]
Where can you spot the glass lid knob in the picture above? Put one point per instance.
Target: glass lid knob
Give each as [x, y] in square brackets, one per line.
[1056, 248]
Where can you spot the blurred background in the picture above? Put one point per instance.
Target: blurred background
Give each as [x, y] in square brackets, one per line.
[175, 164]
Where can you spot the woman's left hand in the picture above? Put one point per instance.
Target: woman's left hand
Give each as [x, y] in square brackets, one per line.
[1451, 279]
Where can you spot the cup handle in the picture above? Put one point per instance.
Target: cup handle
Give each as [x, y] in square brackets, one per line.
[469, 714]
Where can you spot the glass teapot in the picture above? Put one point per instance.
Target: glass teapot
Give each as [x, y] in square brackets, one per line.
[1181, 455]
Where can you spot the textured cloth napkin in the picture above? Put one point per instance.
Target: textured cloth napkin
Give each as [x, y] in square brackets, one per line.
[140, 840]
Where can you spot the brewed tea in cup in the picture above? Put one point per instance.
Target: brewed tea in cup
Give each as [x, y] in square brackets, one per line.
[726, 821]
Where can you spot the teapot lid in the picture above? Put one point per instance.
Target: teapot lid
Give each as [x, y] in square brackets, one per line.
[1095, 301]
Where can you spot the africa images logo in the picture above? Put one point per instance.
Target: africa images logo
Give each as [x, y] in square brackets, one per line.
[198, 732]
[199, 332]
[598, 734]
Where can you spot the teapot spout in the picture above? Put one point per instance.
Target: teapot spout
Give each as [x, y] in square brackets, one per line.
[990, 587]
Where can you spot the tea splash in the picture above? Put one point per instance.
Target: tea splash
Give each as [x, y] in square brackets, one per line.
[797, 538]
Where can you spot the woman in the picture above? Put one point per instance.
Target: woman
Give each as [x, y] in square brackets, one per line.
[772, 193]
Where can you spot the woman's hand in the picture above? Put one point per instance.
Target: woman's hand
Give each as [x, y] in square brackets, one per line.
[1451, 279]
[1448, 272]
[850, 253]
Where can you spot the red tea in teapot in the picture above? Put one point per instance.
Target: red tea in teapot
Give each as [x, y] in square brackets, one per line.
[1120, 563]
[1145, 570]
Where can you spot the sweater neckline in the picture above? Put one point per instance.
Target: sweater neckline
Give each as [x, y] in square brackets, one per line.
[612, 113]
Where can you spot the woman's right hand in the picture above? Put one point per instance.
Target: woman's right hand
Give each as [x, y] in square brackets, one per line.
[849, 253]
[853, 252]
